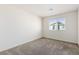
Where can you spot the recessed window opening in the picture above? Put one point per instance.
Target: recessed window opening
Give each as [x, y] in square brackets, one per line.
[56, 24]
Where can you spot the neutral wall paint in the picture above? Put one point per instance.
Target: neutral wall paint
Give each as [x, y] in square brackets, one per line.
[70, 32]
[17, 27]
[78, 26]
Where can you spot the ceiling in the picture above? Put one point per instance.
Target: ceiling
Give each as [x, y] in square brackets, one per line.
[44, 9]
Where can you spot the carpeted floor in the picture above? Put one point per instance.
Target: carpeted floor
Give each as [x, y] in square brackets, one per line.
[44, 47]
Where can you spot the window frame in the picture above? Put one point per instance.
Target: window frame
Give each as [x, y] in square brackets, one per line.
[60, 20]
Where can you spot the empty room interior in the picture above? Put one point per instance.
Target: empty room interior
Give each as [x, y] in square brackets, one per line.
[39, 29]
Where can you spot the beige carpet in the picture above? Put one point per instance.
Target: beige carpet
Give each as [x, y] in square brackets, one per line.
[44, 47]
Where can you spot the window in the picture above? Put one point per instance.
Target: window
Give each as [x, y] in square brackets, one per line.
[56, 24]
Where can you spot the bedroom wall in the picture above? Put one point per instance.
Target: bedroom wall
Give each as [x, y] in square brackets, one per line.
[78, 26]
[17, 27]
[70, 32]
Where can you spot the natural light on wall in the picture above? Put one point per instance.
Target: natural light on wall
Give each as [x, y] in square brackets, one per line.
[56, 24]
